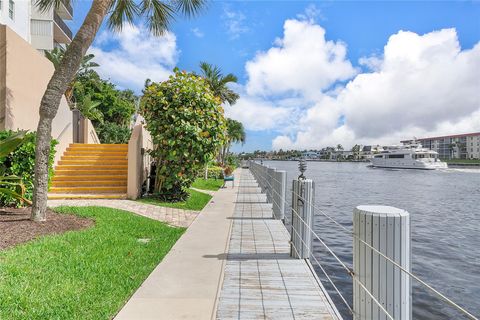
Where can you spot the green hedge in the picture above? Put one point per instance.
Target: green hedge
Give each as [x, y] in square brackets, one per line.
[21, 163]
[213, 173]
[109, 132]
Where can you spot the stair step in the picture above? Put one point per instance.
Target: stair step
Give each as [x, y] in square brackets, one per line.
[86, 152]
[99, 145]
[93, 162]
[87, 196]
[95, 151]
[91, 183]
[92, 167]
[85, 172]
[94, 190]
[91, 177]
[118, 147]
[94, 157]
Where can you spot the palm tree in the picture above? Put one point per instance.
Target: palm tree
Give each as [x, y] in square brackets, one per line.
[56, 56]
[157, 13]
[88, 108]
[235, 134]
[356, 151]
[218, 82]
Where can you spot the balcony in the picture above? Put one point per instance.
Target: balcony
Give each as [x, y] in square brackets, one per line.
[61, 32]
[65, 10]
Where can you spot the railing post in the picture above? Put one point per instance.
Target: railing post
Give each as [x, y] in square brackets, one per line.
[387, 229]
[303, 191]
[263, 170]
[279, 194]
[269, 184]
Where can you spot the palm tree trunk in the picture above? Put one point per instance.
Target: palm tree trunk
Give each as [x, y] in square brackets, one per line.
[57, 86]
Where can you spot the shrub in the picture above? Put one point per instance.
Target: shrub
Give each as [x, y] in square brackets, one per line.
[21, 163]
[213, 173]
[109, 132]
[187, 126]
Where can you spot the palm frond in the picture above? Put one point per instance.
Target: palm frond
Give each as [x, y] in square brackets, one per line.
[229, 78]
[189, 8]
[122, 11]
[9, 144]
[46, 5]
[158, 15]
[230, 96]
[55, 56]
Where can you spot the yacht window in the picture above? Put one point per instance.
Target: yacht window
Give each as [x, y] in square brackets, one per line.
[379, 156]
[396, 156]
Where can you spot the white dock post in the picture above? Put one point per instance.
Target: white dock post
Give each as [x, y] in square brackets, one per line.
[303, 191]
[269, 184]
[387, 229]
[279, 194]
[263, 170]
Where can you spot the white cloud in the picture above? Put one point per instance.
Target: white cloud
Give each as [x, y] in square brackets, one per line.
[311, 13]
[137, 55]
[257, 114]
[234, 22]
[197, 33]
[303, 63]
[423, 85]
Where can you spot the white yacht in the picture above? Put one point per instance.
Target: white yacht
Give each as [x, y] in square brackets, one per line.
[410, 156]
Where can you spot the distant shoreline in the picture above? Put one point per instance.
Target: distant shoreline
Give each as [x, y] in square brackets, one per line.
[450, 164]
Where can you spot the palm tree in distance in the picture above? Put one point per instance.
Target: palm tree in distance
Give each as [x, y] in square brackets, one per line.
[158, 15]
[235, 134]
[218, 82]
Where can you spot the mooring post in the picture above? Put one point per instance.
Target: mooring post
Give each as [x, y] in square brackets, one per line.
[387, 229]
[263, 170]
[303, 197]
[270, 173]
[279, 194]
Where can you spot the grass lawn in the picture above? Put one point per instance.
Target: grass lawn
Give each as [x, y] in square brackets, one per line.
[196, 201]
[87, 274]
[209, 184]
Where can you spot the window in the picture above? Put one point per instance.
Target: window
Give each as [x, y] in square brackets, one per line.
[379, 156]
[396, 156]
[11, 9]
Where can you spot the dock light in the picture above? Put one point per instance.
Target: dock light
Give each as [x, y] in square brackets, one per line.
[302, 167]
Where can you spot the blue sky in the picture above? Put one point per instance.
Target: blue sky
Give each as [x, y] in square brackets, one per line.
[355, 41]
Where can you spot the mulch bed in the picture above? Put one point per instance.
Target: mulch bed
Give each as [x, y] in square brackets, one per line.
[16, 226]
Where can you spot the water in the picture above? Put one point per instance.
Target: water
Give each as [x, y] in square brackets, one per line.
[445, 218]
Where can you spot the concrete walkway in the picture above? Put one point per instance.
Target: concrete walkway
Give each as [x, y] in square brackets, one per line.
[186, 283]
[171, 216]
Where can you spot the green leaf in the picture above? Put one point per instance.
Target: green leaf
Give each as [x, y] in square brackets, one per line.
[11, 143]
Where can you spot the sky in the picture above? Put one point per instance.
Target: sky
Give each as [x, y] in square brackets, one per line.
[319, 73]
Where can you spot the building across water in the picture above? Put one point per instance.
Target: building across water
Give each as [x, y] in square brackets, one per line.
[459, 146]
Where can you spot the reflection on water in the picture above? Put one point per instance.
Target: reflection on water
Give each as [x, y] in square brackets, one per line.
[445, 219]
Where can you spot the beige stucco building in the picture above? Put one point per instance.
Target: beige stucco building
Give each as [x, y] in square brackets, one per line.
[24, 75]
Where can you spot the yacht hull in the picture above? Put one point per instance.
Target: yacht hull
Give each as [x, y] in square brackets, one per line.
[419, 165]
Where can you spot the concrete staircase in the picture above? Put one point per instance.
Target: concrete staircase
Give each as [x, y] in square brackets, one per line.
[91, 171]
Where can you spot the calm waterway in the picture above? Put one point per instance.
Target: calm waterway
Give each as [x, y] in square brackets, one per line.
[445, 218]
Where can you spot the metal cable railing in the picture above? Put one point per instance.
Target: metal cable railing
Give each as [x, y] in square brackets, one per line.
[269, 185]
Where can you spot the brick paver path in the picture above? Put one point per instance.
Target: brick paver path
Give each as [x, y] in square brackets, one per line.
[171, 216]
